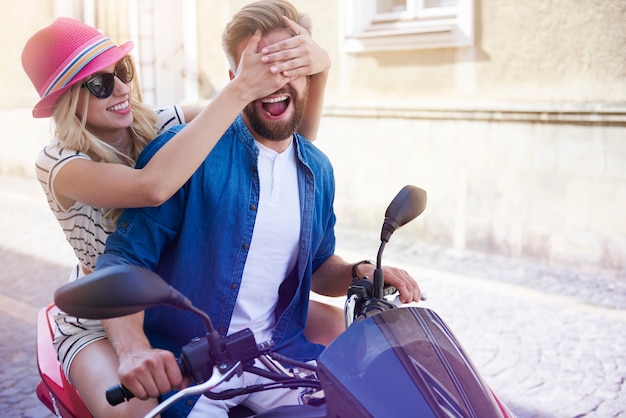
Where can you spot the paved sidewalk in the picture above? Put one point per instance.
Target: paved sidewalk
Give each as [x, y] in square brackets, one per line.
[35, 260]
[549, 342]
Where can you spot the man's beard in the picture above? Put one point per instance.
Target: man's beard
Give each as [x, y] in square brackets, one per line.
[277, 130]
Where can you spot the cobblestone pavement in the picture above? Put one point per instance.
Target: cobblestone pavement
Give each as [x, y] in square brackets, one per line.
[35, 260]
[549, 342]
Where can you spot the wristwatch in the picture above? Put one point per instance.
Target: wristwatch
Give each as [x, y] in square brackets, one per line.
[355, 265]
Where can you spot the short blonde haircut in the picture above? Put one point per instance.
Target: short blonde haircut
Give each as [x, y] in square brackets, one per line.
[265, 15]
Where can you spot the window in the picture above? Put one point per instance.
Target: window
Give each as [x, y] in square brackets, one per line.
[379, 25]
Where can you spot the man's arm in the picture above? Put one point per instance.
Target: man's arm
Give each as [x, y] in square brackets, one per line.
[334, 277]
[145, 371]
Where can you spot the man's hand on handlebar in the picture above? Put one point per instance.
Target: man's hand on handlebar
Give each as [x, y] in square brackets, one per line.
[405, 284]
[148, 373]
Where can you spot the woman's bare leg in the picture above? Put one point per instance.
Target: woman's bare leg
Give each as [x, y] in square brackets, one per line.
[324, 323]
[93, 371]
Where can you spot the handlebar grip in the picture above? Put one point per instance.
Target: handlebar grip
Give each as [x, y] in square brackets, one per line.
[118, 394]
[389, 290]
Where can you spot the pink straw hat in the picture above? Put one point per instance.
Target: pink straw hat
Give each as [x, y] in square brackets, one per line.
[63, 54]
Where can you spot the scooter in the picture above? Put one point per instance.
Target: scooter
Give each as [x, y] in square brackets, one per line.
[392, 360]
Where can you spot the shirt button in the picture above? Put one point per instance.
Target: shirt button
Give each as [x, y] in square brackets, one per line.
[233, 286]
[253, 207]
[245, 246]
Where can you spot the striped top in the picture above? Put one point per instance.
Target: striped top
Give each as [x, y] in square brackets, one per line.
[83, 225]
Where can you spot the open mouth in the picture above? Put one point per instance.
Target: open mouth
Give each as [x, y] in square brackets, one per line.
[275, 106]
[119, 106]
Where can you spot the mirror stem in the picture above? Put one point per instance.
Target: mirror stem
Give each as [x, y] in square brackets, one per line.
[379, 279]
[205, 317]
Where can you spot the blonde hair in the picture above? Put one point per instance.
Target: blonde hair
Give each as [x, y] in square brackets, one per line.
[72, 133]
[265, 15]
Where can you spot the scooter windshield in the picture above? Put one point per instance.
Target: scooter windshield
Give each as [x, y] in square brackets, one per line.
[402, 362]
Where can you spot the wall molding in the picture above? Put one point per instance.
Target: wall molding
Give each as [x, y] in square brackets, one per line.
[587, 113]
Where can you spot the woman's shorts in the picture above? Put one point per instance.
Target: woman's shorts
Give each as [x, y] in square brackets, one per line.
[72, 334]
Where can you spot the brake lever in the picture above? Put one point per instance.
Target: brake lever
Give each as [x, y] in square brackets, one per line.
[218, 377]
[349, 309]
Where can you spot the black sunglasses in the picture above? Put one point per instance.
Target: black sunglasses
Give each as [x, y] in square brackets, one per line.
[102, 85]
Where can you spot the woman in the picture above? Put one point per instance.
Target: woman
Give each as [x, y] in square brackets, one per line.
[89, 87]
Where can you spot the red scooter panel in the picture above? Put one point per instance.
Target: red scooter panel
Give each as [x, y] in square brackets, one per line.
[54, 390]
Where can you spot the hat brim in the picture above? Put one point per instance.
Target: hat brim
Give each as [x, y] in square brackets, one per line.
[43, 109]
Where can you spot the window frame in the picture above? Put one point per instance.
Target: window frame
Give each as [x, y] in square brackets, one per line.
[415, 27]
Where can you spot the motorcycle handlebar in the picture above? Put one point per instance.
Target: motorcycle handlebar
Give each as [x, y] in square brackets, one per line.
[193, 361]
[196, 360]
[118, 394]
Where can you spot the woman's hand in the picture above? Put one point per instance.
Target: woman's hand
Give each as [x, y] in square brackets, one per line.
[254, 76]
[296, 56]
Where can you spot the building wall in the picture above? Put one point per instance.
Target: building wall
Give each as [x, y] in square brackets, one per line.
[519, 139]
[547, 191]
[21, 136]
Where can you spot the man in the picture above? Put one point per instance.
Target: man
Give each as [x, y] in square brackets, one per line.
[247, 238]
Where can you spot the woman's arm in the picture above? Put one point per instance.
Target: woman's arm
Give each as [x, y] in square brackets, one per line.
[190, 112]
[109, 185]
[310, 123]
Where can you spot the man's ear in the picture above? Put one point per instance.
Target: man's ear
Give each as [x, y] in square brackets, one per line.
[231, 74]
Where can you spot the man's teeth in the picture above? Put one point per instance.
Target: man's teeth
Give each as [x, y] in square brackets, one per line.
[275, 99]
[120, 106]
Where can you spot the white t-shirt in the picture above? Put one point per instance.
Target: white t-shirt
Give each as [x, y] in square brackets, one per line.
[83, 225]
[274, 246]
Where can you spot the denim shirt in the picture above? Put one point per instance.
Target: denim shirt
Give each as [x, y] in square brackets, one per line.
[199, 239]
